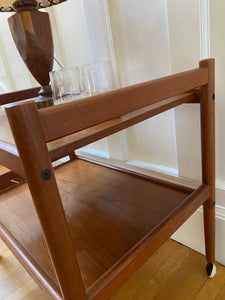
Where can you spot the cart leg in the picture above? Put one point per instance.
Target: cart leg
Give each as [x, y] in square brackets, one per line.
[208, 161]
[209, 226]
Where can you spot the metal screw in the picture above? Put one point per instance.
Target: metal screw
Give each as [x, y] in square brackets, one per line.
[46, 174]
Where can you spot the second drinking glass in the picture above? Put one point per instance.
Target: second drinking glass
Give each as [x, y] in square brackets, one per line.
[97, 78]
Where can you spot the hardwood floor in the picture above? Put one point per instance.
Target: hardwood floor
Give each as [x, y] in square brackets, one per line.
[15, 283]
[173, 272]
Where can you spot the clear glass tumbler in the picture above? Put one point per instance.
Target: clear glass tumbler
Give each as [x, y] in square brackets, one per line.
[66, 84]
[97, 78]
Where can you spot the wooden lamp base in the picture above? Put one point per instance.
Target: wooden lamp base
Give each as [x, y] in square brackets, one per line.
[31, 31]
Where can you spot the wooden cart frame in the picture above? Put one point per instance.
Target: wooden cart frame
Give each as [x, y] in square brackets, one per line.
[100, 193]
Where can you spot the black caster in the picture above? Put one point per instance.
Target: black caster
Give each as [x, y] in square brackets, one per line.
[211, 270]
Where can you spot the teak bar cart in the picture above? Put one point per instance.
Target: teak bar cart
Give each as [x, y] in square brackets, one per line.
[82, 229]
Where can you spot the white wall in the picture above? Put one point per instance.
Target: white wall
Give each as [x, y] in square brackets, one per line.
[140, 36]
[141, 41]
[184, 36]
[72, 33]
[217, 16]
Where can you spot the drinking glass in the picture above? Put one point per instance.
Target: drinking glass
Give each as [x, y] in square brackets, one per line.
[66, 84]
[97, 78]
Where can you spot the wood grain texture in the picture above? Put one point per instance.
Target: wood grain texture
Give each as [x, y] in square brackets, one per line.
[115, 277]
[61, 147]
[18, 95]
[46, 283]
[104, 225]
[10, 159]
[32, 35]
[15, 282]
[105, 222]
[157, 275]
[158, 181]
[72, 117]
[8, 180]
[46, 197]
[208, 156]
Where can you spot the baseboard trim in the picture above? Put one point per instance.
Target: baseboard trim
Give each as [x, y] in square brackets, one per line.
[154, 167]
[93, 152]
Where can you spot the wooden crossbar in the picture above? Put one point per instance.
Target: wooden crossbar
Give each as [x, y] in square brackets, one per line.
[63, 146]
[18, 95]
[106, 285]
[9, 158]
[30, 265]
[64, 119]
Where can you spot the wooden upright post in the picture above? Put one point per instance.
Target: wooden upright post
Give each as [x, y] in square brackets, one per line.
[208, 156]
[30, 141]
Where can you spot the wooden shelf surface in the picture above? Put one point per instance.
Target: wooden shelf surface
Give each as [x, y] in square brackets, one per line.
[109, 212]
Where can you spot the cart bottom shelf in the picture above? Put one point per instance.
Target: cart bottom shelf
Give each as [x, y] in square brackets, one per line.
[108, 212]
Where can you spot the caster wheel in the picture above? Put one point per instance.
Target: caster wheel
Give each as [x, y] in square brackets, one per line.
[211, 270]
